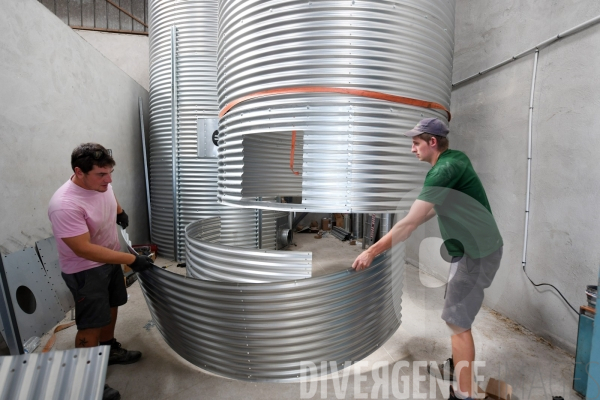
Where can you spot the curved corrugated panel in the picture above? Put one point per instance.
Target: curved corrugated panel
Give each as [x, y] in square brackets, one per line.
[196, 74]
[207, 259]
[263, 331]
[353, 156]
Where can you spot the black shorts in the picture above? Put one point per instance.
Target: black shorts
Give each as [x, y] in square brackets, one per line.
[96, 291]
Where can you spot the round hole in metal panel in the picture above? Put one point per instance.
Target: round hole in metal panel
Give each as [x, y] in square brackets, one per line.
[26, 299]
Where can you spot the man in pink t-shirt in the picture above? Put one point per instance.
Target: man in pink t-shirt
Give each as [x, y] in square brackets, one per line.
[83, 212]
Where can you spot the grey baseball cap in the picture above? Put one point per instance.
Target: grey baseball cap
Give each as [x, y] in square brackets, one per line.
[433, 126]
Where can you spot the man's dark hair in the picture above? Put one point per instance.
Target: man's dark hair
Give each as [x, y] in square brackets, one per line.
[86, 155]
[442, 142]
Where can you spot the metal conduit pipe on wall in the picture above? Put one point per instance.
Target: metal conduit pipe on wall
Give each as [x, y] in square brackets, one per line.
[208, 259]
[263, 331]
[183, 101]
[353, 156]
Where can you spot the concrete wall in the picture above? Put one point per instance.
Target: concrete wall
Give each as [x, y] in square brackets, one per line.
[490, 123]
[57, 92]
[126, 51]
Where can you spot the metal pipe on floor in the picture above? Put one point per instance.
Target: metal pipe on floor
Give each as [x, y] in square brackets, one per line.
[340, 233]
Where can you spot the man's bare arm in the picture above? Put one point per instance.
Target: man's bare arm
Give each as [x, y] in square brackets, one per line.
[83, 248]
[420, 212]
[430, 215]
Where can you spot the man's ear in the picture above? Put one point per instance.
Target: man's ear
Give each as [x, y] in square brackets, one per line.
[78, 172]
[433, 141]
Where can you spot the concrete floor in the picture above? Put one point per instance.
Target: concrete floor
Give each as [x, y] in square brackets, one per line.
[534, 368]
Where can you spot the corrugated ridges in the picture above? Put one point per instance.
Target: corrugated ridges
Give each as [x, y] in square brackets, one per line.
[354, 157]
[208, 259]
[261, 332]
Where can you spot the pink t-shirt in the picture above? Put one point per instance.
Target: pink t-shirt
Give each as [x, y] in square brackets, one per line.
[74, 211]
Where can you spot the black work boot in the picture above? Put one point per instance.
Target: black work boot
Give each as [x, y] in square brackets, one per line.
[119, 355]
[454, 397]
[110, 393]
[446, 369]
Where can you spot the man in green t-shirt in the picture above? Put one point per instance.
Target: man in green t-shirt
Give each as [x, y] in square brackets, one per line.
[452, 191]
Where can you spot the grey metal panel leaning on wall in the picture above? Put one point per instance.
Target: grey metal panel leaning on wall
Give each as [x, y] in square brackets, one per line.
[263, 331]
[354, 156]
[48, 253]
[35, 303]
[207, 259]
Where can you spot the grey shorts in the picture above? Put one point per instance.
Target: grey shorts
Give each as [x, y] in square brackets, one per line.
[96, 291]
[464, 293]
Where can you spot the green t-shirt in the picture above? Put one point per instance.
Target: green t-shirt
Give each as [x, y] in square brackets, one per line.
[464, 213]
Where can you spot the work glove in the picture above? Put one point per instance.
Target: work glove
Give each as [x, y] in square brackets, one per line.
[123, 219]
[141, 263]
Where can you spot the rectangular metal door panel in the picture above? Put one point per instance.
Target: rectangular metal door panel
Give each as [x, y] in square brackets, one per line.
[49, 255]
[206, 146]
[36, 306]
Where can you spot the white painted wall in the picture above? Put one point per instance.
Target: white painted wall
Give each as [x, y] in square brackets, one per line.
[128, 52]
[57, 91]
[490, 124]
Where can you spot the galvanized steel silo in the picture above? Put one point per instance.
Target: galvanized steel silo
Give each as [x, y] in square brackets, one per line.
[346, 78]
[183, 105]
